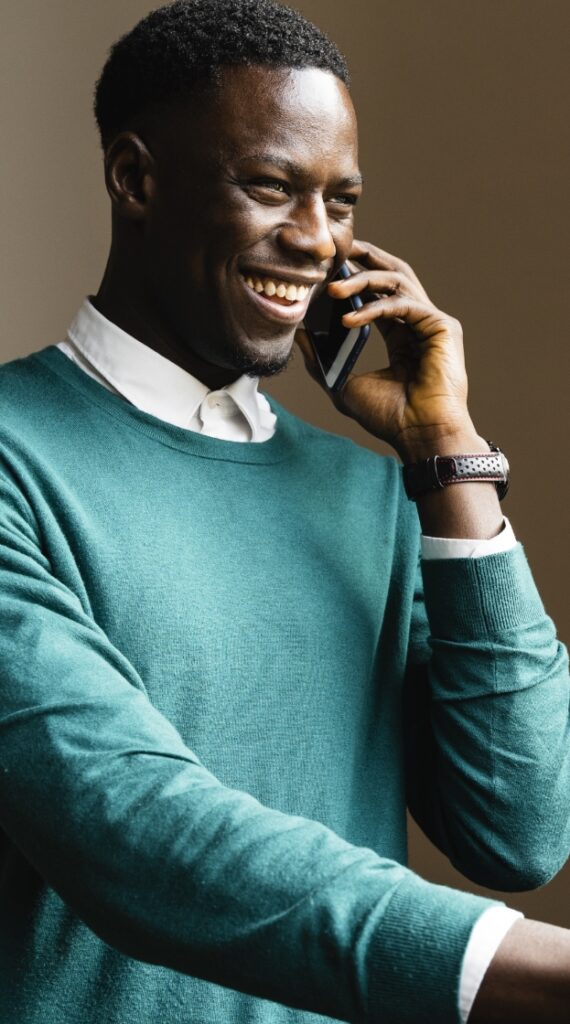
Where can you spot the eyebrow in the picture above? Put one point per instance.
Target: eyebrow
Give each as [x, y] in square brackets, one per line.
[296, 170]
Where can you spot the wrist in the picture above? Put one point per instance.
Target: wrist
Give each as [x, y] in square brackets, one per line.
[413, 447]
[528, 979]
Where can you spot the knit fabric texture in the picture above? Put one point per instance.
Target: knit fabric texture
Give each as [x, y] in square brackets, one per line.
[222, 678]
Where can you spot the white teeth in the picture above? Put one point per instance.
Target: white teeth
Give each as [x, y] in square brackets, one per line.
[270, 287]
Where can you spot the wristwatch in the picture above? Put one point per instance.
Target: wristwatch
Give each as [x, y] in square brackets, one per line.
[441, 470]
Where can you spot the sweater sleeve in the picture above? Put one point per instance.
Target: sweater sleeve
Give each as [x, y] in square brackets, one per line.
[163, 862]
[488, 737]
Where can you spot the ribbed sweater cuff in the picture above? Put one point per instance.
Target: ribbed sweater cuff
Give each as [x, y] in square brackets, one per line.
[415, 960]
[471, 598]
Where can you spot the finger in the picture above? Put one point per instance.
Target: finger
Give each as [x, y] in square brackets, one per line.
[374, 257]
[375, 281]
[364, 251]
[369, 312]
[424, 318]
[373, 312]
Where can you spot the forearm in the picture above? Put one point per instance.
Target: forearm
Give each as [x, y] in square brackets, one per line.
[169, 866]
[487, 719]
[529, 978]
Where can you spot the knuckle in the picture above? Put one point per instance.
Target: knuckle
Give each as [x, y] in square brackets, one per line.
[455, 325]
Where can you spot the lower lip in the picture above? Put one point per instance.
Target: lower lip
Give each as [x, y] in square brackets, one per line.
[273, 311]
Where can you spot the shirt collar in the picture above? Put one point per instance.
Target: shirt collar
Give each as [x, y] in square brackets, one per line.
[150, 381]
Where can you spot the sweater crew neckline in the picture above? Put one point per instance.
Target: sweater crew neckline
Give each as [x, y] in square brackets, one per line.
[275, 449]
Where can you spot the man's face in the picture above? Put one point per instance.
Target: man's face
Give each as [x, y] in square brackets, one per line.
[255, 186]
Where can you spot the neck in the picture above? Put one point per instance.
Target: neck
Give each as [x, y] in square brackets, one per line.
[119, 300]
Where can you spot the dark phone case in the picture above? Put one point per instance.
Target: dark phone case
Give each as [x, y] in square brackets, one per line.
[356, 350]
[355, 302]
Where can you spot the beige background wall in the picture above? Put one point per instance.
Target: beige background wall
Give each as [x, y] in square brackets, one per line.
[465, 149]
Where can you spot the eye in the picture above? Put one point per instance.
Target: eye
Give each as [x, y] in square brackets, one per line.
[272, 183]
[348, 199]
[268, 187]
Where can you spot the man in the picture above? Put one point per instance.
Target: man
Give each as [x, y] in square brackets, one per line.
[211, 610]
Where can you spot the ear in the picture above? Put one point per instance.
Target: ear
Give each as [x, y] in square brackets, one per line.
[130, 176]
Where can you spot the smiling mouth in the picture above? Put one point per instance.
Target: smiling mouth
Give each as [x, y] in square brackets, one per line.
[278, 291]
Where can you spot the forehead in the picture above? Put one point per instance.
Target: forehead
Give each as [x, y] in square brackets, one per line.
[305, 115]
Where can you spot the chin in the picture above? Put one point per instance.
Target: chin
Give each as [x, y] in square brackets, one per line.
[263, 360]
[268, 369]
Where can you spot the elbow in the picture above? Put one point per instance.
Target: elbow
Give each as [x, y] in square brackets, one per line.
[541, 861]
[520, 846]
[532, 854]
[523, 875]
[516, 867]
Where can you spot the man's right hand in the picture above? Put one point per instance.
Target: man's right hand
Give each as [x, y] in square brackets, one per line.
[528, 981]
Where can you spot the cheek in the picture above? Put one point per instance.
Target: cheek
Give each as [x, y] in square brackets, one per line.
[237, 226]
[343, 235]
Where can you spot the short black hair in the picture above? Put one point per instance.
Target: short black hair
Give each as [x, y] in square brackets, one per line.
[173, 48]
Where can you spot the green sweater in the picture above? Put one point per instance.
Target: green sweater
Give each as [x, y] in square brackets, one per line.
[218, 691]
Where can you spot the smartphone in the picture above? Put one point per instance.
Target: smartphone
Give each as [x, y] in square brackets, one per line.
[336, 347]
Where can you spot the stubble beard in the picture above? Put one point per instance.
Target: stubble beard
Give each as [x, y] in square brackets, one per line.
[260, 365]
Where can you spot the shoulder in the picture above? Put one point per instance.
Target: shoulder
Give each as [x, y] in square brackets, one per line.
[32, 400]
[28, 374]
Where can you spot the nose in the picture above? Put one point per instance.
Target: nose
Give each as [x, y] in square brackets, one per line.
[308, 230]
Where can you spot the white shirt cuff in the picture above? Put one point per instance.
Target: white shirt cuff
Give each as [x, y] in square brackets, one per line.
[448, 547]
[485, 939]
